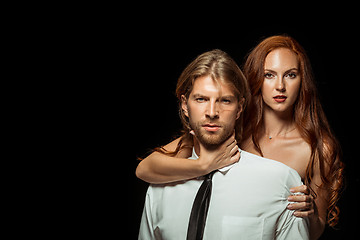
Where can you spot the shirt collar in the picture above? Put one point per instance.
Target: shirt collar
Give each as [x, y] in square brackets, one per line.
[223, 170]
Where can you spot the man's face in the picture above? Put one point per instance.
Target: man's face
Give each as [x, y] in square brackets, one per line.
[212, 109]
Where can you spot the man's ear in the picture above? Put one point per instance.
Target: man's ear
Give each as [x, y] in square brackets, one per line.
[184, 105]
[240, 108]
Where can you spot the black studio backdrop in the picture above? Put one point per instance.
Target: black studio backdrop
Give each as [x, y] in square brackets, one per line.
[159, 61]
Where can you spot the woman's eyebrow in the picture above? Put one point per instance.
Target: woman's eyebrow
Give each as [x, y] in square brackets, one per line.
[269, 70]
[289, 70]
[292, 69]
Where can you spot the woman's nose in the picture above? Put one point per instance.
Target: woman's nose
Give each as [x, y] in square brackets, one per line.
[280, 85]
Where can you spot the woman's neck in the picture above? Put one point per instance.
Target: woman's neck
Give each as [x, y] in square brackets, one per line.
[277, 123]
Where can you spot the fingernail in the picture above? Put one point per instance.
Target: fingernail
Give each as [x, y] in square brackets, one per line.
[292, 190]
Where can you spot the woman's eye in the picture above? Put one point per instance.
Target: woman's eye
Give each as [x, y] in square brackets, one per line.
[291, 75]
[268, 75]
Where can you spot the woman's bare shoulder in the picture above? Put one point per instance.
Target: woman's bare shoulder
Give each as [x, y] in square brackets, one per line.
[185, 148]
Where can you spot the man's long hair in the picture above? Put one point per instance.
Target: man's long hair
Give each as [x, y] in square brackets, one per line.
[309, 118]
[222, 69]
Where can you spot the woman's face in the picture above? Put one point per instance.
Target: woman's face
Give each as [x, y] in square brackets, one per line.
[282, 80]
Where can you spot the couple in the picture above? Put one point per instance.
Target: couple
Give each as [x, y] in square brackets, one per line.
[250, 196]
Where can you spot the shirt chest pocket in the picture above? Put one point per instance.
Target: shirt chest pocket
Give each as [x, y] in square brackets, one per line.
[242, 228]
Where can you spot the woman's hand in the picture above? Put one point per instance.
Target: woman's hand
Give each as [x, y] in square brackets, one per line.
[225, 155]
[303, 204]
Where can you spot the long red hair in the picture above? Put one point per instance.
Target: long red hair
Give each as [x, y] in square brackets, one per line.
[308, 115]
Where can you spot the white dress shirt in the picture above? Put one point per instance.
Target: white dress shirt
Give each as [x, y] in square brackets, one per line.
[248, 201]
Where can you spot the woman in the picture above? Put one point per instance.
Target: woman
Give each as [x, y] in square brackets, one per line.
[284, 122]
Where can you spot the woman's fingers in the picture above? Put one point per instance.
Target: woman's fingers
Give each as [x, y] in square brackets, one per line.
[234, 149]
[304, 214]
[235, 157]
[300, 206]
[303, 204]
[300, 198]
[230, 140]
[303, 189]
[226, 154]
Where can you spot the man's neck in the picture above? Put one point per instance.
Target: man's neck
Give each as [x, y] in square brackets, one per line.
[196, 146]
[207, 148]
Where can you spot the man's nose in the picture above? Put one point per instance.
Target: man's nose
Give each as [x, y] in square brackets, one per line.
[212, 110]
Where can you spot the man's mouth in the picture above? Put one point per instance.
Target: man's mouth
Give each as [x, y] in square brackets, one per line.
[280, 98]
[211, 127]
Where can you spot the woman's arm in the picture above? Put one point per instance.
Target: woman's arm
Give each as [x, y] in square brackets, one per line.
[320, 204]
[160, 168]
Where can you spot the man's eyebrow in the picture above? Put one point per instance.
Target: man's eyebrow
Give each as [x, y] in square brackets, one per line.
[228, 97]
[196, 95]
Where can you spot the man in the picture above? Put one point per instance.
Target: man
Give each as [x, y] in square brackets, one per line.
[249, 198]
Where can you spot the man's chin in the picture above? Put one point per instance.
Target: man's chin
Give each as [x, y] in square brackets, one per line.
[211, 140]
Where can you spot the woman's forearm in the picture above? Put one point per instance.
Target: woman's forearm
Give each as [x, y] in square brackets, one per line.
[317, 227]
[160, 168]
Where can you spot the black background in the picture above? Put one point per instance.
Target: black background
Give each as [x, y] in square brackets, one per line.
[156, 63]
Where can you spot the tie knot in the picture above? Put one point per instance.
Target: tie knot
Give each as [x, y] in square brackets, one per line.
[210, 175]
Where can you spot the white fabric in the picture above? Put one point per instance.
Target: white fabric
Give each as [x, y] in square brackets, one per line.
[248, 201]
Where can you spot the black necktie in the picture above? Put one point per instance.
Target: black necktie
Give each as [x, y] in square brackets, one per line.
[199, 210]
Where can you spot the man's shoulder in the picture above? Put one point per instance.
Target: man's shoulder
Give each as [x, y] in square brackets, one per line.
[175, 187]
[258, 165]
[250, 158]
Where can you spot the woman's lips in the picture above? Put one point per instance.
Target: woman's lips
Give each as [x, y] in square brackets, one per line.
[280, 98]
[211, 127]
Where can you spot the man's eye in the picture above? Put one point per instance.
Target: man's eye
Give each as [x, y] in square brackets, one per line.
[200, 99]
[226, 101]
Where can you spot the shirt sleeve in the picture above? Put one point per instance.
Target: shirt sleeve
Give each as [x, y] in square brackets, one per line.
[297, 229]
[146, 231]
[289, 226]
